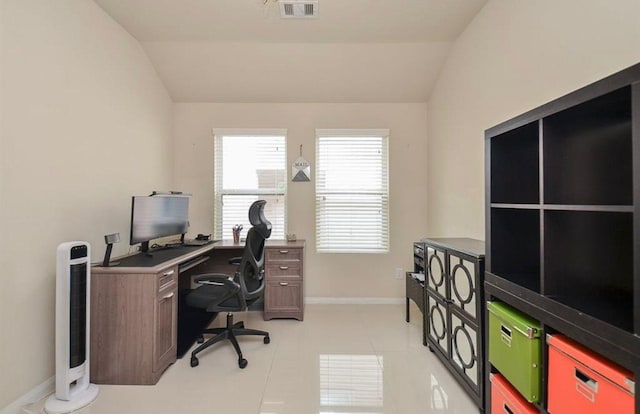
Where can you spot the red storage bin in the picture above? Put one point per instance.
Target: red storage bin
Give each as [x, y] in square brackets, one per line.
[581, 381]
[507, 400]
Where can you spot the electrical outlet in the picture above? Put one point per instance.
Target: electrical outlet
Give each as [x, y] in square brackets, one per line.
[399, 273]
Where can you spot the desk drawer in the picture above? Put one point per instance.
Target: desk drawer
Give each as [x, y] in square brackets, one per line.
[167, 279]
[277, 254]
[284, 299]
[287, 269]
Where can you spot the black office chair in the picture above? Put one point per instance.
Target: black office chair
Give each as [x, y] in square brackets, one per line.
[223, 293]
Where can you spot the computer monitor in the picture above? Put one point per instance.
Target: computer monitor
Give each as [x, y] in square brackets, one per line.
[157, 216]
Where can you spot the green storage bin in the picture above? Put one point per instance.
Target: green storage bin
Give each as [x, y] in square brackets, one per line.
[515, 348]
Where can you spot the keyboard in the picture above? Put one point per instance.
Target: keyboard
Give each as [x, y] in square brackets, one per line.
[194, 242]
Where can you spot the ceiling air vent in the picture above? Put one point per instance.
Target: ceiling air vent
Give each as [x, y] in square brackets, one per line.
[298, 9]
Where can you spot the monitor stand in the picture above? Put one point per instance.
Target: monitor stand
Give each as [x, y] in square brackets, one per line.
[144, 249]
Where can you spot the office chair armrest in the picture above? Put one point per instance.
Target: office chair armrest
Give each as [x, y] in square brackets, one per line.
[211, 277]
[231, 289]
[235, 261]
[219, 279]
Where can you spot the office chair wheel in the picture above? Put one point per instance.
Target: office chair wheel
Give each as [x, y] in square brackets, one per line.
[195, 362]
[200, 339]
[242, 363]
[266, 340]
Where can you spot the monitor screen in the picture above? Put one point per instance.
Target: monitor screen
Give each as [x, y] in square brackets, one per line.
[153, 217]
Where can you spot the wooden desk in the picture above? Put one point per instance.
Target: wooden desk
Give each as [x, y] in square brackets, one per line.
[134, 315]
[134, 306]
[284, 273]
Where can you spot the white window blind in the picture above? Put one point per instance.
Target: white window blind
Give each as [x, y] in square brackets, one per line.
[352, 191]
[249, 166]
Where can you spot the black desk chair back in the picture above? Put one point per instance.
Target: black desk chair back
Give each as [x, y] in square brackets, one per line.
[223, 293]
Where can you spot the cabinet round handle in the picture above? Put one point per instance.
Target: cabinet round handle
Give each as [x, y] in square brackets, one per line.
[284, 251]
[169, 296]
[284, 283]
[284, 267]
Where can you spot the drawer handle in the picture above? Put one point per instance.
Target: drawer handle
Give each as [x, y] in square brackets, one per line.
[506, 409]
[587, 380]
[505, 335]
[284, 267]
[284, 251]
[169, 296]
[284, 283]
[169, 273]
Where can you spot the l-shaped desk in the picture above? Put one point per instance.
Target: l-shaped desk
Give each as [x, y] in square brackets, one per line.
[138, 321]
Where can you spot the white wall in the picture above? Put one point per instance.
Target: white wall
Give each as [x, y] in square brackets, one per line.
[86, 124]
[297, 72]
[514, 56]
[326, 275]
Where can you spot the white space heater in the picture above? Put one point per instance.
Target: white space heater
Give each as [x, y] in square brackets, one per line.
[73, 288]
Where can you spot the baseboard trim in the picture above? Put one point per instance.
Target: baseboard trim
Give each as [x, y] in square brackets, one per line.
[34, 395]
[353, 301]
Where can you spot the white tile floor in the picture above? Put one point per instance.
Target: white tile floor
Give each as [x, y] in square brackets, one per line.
[341, 359]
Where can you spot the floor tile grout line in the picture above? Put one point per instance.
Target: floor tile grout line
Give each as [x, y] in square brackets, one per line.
[268, 376]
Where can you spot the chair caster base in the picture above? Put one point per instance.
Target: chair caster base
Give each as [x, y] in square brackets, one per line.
[242, 363]
[266, 340]
[194, 362]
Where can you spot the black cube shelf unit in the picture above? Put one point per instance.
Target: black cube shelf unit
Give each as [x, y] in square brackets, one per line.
[563, 218]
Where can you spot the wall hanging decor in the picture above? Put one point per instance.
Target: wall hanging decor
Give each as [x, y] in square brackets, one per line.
[300, 170]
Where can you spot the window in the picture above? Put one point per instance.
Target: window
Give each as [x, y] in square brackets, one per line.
[352, 191]
[249, 165]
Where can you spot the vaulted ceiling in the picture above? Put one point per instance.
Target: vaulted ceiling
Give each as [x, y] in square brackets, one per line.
[243, 51]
